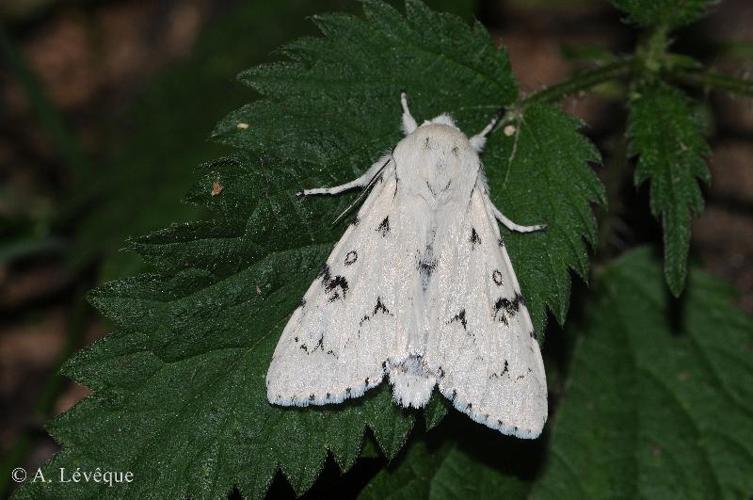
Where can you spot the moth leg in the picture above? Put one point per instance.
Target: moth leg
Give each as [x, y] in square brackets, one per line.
[513, 226]
[362, 181]
[409, 123]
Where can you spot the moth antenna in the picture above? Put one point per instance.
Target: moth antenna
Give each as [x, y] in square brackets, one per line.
[479, 140]
[409, 123]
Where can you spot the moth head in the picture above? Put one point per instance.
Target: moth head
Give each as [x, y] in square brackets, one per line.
[438, 141]
[443, 119]
[477, 142]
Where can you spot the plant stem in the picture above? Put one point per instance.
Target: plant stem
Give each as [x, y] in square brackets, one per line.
[580, 82]
[709, 79]
[652, 51]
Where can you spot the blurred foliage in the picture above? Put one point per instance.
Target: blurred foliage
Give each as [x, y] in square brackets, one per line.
[667, 14]
[163, 137]
[448, 470]
[659, 397]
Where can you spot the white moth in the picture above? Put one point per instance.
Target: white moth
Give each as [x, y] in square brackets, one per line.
[419, 288]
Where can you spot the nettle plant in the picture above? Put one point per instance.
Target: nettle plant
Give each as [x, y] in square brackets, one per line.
[651, 392]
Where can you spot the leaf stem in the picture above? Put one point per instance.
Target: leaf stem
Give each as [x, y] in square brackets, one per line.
[709, 79]
[580, 82]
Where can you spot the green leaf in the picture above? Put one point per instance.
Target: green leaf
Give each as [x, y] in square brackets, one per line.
[659, 403]
[540, 174]
[435, 411]
[444, 471]
[667, 136]
[180, 397]
[669, 13]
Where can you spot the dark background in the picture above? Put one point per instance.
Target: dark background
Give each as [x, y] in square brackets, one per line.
[105, 107]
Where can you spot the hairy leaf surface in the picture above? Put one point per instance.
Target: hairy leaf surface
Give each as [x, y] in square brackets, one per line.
[669, 13]
[659, 402]
[665, 134]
